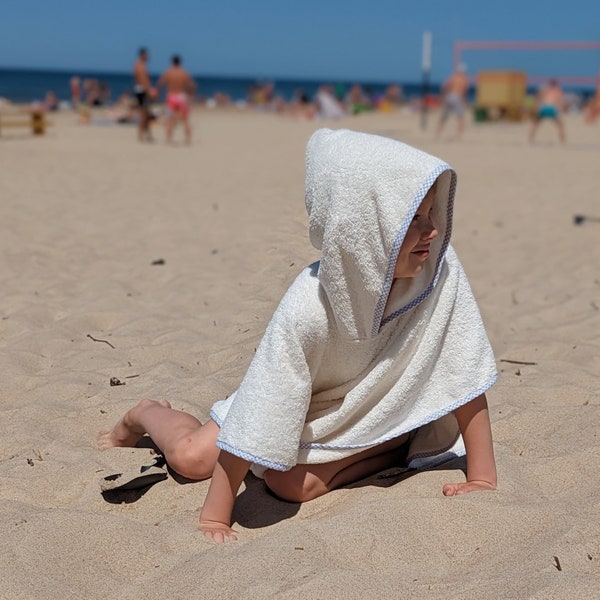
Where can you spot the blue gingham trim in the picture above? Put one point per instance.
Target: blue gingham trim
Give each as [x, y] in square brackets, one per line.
[426, 463]
[249, 457]
[438, 415]
[213, 416]
[378, 321]
[253, 459]
[433, 453]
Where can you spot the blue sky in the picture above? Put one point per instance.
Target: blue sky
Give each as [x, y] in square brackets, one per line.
[313, 39]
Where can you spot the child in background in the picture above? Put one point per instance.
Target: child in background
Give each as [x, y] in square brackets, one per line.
[375, 357]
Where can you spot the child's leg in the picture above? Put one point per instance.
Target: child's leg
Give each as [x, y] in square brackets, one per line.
[306, 482]
[188, 445]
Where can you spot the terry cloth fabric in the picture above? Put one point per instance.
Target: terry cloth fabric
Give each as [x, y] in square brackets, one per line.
[353, 357]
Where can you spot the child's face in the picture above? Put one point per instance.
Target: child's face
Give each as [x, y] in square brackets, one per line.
[415, 247]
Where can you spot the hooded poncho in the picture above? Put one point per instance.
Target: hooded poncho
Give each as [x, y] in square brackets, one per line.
[353, 357]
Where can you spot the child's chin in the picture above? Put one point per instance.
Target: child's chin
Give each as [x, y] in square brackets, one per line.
[409, 272]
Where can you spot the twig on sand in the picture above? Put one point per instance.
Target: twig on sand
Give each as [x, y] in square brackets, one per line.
[103, 341]
[557, 563]
[517, 362]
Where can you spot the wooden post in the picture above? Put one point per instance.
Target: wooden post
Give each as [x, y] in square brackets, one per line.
[426, 67]
[38, 122]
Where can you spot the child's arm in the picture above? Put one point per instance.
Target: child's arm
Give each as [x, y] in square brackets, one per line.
[215, 518]
[474, 422]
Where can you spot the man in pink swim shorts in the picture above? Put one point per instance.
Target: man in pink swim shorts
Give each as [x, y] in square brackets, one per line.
[179, 103]
[180, 92]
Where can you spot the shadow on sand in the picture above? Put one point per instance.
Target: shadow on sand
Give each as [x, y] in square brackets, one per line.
[256, 506]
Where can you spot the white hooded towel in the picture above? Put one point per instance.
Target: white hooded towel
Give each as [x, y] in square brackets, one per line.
[353, 357]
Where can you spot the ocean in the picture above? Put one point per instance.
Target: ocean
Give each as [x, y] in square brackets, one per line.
[25, 86]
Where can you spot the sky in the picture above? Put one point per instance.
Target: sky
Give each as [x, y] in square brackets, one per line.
[377, 41]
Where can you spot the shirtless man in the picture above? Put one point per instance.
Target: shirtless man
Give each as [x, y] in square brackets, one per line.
[593, 107]
[143, 93]
[180, 92]
[454, 91]
[550, 102]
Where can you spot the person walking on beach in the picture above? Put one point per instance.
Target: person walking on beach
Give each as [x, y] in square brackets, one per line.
[593, 107]
[549, 105]
[180, 93]
[143, 92]
[376, 357]
[454, 100]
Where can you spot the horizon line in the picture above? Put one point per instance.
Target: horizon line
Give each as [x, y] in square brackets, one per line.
[274, 78]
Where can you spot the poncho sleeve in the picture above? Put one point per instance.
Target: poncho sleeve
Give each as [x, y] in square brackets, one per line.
[265, 419]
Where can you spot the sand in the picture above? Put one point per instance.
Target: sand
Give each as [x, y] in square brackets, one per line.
[86, 211]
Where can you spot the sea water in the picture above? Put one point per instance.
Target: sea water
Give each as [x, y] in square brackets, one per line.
[24, 86]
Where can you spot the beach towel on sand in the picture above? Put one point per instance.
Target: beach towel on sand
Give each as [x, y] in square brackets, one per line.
[353, 357]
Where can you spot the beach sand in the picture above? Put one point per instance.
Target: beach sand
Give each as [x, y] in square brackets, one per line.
[85, 211]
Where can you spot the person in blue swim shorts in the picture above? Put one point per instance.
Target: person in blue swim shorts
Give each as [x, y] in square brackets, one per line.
[550, 102]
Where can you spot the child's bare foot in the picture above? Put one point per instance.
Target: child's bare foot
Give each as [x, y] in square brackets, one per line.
[127, 431]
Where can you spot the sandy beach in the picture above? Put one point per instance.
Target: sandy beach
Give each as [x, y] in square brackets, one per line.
[161, 266]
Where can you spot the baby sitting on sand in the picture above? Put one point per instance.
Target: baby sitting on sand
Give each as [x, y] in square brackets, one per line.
[376, 356]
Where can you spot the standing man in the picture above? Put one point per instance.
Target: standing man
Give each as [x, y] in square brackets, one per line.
[550, 103]
[454, 92]
[180, 93]
[593, 107]
[143, 92]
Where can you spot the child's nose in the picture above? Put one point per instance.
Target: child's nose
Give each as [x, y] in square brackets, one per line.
[429, 231]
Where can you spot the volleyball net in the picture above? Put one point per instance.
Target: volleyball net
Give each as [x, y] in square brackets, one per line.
[460, 47]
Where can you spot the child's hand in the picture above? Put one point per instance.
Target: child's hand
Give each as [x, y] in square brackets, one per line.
[218, 532]
[456, 489]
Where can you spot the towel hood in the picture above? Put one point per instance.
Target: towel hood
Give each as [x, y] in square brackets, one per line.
[362, 192]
